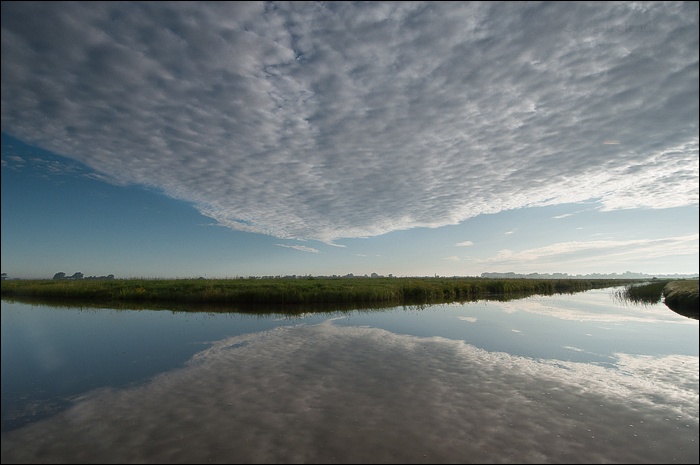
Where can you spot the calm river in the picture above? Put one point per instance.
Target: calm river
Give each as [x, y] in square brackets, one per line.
[557, 379]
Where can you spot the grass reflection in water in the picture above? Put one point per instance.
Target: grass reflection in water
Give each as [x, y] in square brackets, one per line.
[679, 296]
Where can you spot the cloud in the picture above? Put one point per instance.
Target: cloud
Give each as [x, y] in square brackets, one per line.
[301, 248]
[40, 166]
[464, 244]
[591, 251]
[339, 120]
[308, 394]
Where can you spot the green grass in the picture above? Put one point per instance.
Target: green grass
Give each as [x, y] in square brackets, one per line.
[283, 292]
[682, 297]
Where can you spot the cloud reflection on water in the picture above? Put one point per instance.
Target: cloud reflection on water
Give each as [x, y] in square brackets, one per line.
[327, 394]
[594, 306]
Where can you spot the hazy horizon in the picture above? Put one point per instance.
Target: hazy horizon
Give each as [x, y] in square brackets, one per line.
[373, 275]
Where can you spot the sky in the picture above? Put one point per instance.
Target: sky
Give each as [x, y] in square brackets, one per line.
[226, 139]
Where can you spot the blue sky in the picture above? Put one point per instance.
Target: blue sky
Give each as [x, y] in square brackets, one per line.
[235, 139]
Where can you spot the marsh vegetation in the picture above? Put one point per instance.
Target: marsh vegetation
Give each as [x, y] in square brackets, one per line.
[280, 291]
[648, 293]
[680, 296]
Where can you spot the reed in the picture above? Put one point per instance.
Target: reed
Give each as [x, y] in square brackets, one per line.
[288, 291]
[642, 293]
[681, 296]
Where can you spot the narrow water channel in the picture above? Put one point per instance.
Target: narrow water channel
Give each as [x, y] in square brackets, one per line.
[556, 379]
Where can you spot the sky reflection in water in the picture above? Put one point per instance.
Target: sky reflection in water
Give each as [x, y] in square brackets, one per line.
[455, 383]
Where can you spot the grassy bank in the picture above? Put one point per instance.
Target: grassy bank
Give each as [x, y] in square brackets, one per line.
[682, 297]
[368, 291]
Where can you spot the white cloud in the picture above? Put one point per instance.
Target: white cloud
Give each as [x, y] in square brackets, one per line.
[464, 244]
[301, 248]
[586, 251]
[325, 121]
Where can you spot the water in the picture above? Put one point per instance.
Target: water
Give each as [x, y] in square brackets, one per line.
[566, 378]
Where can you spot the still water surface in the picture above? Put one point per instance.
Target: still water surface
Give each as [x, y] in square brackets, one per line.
[564, 378]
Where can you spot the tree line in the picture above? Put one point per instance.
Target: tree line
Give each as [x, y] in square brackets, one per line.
[79, 275]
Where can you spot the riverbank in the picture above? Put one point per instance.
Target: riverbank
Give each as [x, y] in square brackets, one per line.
[683, 297]
[287, 291]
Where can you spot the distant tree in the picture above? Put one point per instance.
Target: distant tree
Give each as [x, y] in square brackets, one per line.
[3, 276]
[60, 275]
[77, 275]
[111, 276]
